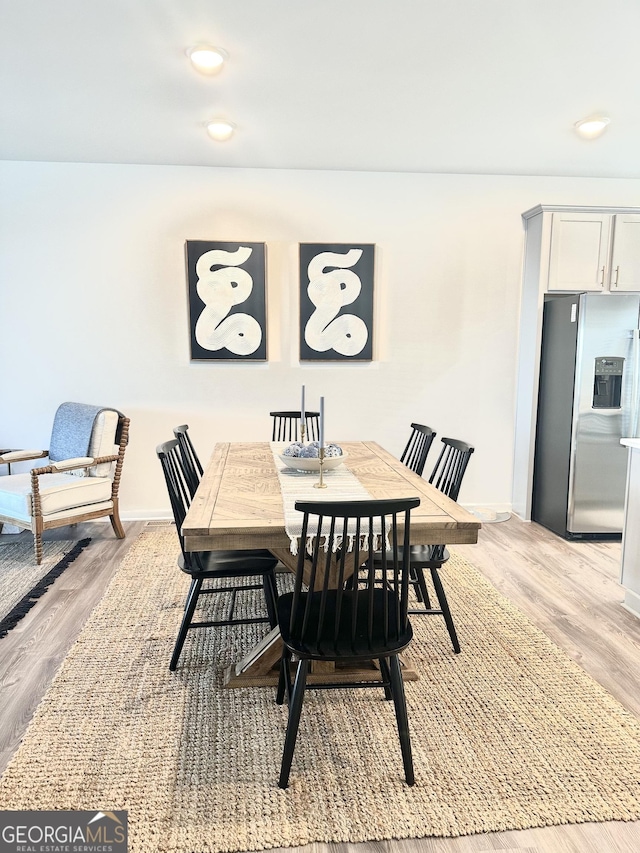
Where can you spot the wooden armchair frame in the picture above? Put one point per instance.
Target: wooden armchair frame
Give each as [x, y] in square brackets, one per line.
[38, 522]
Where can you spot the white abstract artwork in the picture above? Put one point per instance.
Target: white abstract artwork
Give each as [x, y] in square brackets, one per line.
[336, 301]
[227, 300]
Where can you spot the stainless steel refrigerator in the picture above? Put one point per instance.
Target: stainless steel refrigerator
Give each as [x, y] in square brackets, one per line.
[588, 400]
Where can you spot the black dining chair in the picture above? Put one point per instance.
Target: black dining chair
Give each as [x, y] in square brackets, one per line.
[324, 619]
[286, 426]
[190, 462]
[447, 477]
[212, 565]
[415, 453]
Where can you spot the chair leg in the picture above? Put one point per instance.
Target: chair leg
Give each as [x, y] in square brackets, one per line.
[284, 679]
[280, 690]
[444, 606]
[37, 542]
[271, 596]
[287, 677]
[413, 580]
[386, 675]
[192, 600]
[114, 518]
[422, 591]
[402, 719]
[295, 708]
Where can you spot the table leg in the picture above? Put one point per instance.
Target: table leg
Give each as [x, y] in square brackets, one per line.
[260, 666]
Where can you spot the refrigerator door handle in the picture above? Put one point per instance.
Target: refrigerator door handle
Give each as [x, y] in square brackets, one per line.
[635, 402]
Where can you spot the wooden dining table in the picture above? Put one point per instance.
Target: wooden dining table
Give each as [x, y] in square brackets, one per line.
[238, 505]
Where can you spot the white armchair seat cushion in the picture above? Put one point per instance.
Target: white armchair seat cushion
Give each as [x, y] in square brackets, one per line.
[58, 492]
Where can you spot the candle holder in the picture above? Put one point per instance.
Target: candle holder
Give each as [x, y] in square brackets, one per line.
[303, 431]
[321, 484]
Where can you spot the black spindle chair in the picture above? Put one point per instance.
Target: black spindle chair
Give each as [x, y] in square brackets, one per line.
[190, 461]
[324, 619]
[286, 426]
[447, 477]
[212, 565]
[415, 453]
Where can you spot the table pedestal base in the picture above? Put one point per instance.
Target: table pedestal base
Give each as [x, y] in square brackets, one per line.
[261, 668]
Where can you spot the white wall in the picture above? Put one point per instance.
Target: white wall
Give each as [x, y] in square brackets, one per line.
[94, 305]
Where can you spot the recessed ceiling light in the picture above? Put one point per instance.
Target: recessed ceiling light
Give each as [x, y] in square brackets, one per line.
[206, 58]
[220, 129]
[591, 127]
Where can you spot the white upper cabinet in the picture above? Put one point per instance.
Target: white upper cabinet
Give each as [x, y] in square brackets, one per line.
[594, 251]
[579, 257]
[625, 254]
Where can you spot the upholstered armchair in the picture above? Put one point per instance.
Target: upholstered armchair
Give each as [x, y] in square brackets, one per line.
[80, 481]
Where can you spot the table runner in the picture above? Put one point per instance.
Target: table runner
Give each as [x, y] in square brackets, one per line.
[342, 485]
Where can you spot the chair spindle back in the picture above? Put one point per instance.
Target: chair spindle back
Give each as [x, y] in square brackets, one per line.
[449, 469]
[345, 535]
[178, 488]
[415, 453]
[286, 424]
[190, 462]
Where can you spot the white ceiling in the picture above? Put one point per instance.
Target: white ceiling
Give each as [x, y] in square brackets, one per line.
[462, 86]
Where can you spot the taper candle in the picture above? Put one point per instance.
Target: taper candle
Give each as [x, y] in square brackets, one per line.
[302, 417]
[321, 421]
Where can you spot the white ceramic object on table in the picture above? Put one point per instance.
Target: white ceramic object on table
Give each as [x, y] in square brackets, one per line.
[312, 464]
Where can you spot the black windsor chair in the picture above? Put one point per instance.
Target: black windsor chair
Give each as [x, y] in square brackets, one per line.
[286, 425]
[447, 477]
[323, 619]
[212, 565]
[415, 453]
[191, 464]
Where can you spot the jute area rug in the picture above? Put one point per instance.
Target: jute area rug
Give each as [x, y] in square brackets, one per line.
[22, 582]
[510, 734]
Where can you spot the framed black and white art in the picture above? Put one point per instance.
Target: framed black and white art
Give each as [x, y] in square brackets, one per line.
[336, 301]
[227, 305]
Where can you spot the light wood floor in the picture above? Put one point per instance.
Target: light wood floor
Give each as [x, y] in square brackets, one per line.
[570, 590]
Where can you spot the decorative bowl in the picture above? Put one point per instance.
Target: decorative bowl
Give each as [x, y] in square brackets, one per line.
[310, 465]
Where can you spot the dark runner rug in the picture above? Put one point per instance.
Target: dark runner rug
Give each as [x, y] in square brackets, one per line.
[22, 582]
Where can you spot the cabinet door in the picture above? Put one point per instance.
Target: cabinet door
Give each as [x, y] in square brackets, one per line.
[625, 258]
[579, 251]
